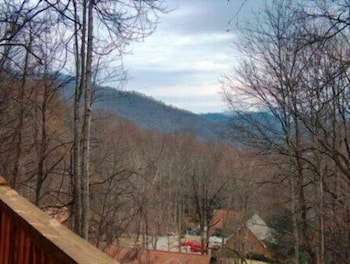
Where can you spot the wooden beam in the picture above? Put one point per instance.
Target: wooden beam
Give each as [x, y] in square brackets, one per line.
[53, 242]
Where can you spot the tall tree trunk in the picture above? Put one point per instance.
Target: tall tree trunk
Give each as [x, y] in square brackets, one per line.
[87, 126]
[79, 87]
[295, 219]
[42, 145]
[321, 219]
[20, 125]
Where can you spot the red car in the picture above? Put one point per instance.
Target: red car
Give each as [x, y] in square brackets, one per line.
[194, 246]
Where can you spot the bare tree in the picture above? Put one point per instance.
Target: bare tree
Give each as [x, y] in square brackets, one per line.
[296, 72]
[119, 23]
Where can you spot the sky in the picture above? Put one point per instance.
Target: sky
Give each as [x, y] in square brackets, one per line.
[182, 63]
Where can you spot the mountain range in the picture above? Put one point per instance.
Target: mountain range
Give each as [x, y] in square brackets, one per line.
[149, 113]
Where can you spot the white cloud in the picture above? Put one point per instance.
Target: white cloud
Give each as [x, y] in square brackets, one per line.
[186, 56]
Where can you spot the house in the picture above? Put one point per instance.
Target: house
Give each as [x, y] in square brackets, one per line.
[252, 237]
[248, 234]
[146, 256]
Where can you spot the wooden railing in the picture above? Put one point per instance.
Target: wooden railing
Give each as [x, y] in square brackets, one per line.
[28, 235]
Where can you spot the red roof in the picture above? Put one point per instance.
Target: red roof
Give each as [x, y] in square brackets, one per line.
[147, 256]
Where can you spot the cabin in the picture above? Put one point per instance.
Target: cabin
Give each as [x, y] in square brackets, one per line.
[252, 237]
[244, 234]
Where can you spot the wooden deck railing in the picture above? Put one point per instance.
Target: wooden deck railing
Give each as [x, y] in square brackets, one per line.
[28, 235]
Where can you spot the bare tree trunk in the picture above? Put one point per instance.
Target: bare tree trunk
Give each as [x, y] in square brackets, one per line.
[180, 216]
[42, 147]
[80, 77]
[20, 125]
[295, 220]
[321, 217]
[87, 126]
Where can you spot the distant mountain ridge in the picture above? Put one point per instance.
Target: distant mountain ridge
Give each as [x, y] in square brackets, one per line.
[149, 113]
[152, 114]
[223, 118]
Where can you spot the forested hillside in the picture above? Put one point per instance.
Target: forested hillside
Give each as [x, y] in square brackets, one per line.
[142, 181]
[146, 112]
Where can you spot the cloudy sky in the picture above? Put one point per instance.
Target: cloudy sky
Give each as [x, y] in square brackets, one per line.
[182, 63]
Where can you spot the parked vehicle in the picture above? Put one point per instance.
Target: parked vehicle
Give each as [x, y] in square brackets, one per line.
[215, 240]
[194, 246]
[192, 232]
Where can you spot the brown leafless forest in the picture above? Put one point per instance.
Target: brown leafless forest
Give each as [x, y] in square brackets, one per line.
[116, 179]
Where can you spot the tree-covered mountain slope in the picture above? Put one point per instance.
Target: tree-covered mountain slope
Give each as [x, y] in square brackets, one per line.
[149, 113]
